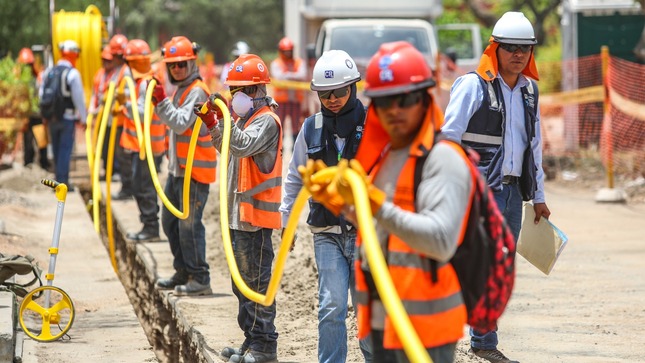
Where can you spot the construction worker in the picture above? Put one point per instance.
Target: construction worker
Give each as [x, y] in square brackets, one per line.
[412, 228]
[287, 67]
[34, 133]
[187, 237]
[122, 159]
[329, 135]
[100, 86]
[62, 131]
[137, 56]
[495, 111]
[254, 192]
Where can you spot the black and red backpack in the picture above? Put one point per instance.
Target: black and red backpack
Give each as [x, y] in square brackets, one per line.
[485, 260]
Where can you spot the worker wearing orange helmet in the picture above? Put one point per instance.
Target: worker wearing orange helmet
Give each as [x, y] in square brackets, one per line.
[187, 237]
[412, 228]
[288, 67]
[62, 130]
[137, 56]
[33, 141]
[254, 192]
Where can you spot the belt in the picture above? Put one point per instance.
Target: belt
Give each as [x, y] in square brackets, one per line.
[510, 179]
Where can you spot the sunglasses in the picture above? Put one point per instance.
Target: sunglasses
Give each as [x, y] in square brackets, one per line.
[245, 89]
[183, 64]
[524, 48]
[402, 100]
[339, 93]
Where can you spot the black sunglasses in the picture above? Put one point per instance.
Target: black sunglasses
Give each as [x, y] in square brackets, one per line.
[339, 93]
[513, 47]
[402, 100]
[183, 64]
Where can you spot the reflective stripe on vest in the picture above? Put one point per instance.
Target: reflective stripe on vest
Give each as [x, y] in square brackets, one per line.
[205, 157]
[129, 139]
[261, 193]
[481, 138]
[436, 310]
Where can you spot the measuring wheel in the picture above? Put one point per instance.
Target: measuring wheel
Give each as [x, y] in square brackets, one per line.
[50, 321]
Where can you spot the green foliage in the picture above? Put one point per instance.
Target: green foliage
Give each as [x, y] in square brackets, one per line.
[17, 96]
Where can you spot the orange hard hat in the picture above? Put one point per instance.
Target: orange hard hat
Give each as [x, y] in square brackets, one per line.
[397, 67]
[246, 70]
[137, 49]
[25, 56]
[118, 44]
[106, 53]
[285, 44]
[180, 49]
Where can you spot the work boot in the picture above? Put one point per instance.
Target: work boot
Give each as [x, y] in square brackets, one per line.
[253, 356]
[492, 355]
[178, 278]
[193, 288]
[230, 351]
[143, 236]
[121, 195]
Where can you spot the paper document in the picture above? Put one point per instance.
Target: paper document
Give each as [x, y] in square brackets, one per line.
[542, 243]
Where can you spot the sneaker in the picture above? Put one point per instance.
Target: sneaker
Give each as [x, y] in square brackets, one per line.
[170, 283]
[229, 351]
[492, 355]
[193, 288]
[253, 356]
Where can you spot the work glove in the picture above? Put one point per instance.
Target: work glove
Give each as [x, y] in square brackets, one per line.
[295, 238]
[213, 113]
[158, 94]
[120, 97]
[119, 110]
[323, 191]
[375, 195]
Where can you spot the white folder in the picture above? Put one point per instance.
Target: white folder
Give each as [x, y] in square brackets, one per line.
[542, 243]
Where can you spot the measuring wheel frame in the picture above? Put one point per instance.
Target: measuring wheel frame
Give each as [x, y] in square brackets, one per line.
[49, 314]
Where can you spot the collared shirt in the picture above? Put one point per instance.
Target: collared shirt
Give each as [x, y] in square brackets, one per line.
[467, 95]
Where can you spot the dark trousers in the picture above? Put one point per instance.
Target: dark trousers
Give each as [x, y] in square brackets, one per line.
[62, 140]
[145, 193]
[442, 354]
[124, 160]
[254, 256]
[30, 145]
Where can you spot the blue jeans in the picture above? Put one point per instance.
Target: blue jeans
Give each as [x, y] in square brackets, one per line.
[509, 201]
[187, 237]
[335, 262]
[62, 140]
[441, 354]
[254, 256]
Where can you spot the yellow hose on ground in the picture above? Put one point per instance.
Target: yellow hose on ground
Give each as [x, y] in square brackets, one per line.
[147, 120]
[108, 197]
[96, 187]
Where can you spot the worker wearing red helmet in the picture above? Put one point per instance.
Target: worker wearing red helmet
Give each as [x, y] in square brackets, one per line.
[254, 192]
[288, 67]
[34, 134]
[402, 122]
[137, 56]
[187, 237]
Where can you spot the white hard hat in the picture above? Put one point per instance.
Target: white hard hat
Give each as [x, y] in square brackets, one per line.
[69, 46]
[514, 28]
[240, 48]
[333, 70]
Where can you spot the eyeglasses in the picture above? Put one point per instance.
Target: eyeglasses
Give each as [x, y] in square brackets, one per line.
[245, 89]
[339, 93]
[183, 64]
[524, 48]
[402, 100]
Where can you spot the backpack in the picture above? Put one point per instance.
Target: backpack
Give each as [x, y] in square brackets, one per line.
[485, 260]
[11, 265]
[55, 90]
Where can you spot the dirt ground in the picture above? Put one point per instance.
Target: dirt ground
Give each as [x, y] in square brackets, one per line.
[589, 309]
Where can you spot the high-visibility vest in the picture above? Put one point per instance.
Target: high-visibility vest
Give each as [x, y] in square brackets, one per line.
[261, 193]
[436, 309]
[129, 139]
[280, 94]
[205, 157]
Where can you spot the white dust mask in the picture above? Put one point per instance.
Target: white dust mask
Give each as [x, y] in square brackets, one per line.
[241, 103]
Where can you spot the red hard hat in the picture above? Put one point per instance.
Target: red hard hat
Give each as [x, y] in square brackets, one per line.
[179, 49]
[117, 44]
[246, 70]
[25, 56]
[106, 53]
[397, 67]
[285, 44]
[137, 49]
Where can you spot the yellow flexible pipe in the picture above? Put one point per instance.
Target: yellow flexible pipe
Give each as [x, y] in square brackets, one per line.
[147, 120]
[89, 144]
[96, 188]
[108, 197]
[135, 116]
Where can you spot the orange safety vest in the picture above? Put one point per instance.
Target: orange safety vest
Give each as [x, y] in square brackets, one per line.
[436, 309]
[280, 94]
[129, 139]
[261, 193]
[205, 157]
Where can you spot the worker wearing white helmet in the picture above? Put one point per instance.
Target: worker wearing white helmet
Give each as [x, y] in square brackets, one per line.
[330, 135]
[496, 112]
